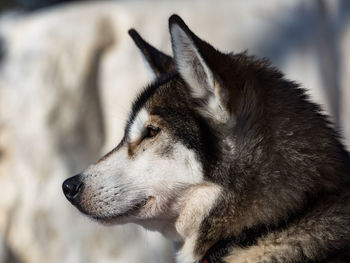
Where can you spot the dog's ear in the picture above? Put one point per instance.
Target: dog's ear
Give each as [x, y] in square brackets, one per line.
[195, 60]
[159, 62]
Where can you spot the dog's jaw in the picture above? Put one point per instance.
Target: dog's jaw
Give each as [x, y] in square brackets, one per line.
[124, 217]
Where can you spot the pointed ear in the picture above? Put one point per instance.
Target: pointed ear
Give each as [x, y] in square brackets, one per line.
[159, 62]
[191, 56]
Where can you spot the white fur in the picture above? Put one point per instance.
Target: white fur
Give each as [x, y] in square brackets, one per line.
[197, 205]
[138, 125]
[215, 110]
[185, 254]
[185, 52]
[181, 198]
[147, 174]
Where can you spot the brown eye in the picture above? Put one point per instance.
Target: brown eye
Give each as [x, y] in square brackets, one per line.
[152, 131]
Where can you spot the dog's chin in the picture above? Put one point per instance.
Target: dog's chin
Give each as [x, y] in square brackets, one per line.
[130, 214]
[110, 220]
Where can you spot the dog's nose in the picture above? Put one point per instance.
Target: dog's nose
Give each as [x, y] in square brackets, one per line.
[72, 187]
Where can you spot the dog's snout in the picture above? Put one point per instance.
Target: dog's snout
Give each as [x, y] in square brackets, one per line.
[72, 187]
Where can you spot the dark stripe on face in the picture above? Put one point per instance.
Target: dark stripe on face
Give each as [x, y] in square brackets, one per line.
[145, 95]
[189, 127]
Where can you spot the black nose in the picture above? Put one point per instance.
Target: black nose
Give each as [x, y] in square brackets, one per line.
[72, 187]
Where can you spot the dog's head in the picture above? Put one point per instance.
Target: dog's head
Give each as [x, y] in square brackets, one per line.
[204, 127]
[216, 141]
[170, 141]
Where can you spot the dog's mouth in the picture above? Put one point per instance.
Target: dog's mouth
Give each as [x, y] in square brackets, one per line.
[132, 211]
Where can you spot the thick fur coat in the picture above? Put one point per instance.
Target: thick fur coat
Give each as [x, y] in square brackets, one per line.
[222, 146]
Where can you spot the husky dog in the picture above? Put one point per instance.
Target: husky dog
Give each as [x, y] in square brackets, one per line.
[225, 157]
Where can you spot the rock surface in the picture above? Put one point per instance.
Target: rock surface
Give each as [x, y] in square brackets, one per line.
[67, 78]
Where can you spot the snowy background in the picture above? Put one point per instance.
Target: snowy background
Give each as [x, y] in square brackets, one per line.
[68, 73]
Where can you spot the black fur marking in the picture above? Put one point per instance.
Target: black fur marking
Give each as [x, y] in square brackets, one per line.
[186, 124]
[144, 96]
[158, 61]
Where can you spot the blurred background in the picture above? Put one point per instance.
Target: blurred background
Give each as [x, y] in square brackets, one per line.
[68, 73]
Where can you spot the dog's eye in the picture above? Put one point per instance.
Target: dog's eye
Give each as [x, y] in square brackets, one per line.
[151, 131]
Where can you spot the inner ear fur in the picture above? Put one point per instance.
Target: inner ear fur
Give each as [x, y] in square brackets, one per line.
[206, 70]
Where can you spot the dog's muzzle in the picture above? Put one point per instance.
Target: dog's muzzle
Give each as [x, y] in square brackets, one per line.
[72, 187]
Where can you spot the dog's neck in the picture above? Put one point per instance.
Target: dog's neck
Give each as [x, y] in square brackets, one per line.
[199, 201]
[184, 230]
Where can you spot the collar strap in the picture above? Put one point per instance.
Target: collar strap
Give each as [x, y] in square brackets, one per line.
[217, 251]
[220, 249]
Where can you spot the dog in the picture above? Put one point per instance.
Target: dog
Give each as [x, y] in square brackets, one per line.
[227, 158]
